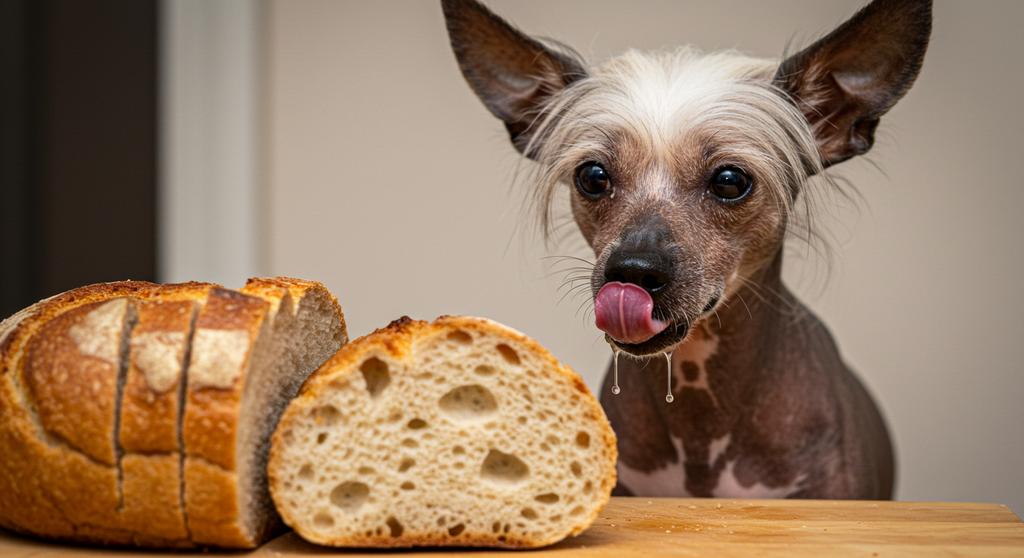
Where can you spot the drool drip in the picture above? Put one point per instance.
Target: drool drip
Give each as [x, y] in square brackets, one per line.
[615, 371]
[668, 376]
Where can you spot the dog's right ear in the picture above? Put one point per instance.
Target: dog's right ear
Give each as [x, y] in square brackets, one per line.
[513, 74]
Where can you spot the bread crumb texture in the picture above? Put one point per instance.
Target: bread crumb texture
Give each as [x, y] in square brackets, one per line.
[460, 432]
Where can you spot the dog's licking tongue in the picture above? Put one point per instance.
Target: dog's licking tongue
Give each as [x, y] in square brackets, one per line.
[623, 311]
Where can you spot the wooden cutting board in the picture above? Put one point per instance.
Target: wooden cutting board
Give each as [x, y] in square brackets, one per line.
[640, 527]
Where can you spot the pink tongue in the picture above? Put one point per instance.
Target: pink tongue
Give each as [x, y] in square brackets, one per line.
[623, 311]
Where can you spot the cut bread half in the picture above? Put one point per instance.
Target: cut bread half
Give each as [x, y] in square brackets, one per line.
[136, 413]
[459, 432]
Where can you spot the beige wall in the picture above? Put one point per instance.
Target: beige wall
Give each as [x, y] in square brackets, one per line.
[389, 181]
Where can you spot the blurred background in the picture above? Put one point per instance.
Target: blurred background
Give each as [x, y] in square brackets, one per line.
[336, 140]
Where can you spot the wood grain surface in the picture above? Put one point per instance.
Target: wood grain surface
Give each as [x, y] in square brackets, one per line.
[641, 527]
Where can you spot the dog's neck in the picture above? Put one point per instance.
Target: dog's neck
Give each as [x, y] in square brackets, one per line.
[759, 305]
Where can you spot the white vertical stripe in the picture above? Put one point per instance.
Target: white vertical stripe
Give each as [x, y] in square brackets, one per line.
[210, 192]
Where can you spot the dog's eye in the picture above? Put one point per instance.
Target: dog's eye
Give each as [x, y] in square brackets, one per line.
[592, 180]
[730, 184]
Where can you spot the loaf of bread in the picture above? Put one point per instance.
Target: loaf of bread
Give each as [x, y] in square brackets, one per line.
[140, 414]
[459, 432]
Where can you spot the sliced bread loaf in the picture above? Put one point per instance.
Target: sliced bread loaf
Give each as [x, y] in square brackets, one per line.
[457, 432]
[135, 413]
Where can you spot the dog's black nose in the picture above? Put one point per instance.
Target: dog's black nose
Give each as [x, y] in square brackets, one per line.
[651, 271]
[643, 255]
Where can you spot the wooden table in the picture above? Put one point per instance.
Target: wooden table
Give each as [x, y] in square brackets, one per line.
[721, 528]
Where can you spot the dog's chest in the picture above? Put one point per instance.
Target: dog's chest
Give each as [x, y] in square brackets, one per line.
[707, 447]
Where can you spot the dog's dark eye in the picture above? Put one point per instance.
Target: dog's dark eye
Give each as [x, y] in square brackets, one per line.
[730, 184]
[592, 180]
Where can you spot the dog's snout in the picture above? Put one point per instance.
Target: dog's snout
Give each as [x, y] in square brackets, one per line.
[651, 271]
[643, 255]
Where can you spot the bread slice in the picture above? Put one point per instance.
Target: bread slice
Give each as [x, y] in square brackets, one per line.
[151, 405]
[95, 393]
[459, 432]
[251, 350]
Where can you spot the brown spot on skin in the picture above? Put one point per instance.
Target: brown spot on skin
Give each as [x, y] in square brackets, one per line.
[690, 371]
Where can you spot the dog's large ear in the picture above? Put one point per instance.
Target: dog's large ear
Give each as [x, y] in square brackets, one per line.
[847, 80]
[512, 73]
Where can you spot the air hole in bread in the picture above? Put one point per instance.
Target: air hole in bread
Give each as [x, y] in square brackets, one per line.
[556, 518]
[484, 370]
[547, 498]
[441, 521]
[406, 464]
[529, 513]
[522, 420]
[306, 472]
[552, 439]
[576, 468]
[460, 336]
[408, 485]
[321, 437]
[459, 465]
[583, 439]
[587, 487]
[469, 402]
[544, 447]
[375, 373]
[578, 510]
[456, 530]
[458, 450]
[503, 468]
[496, 526]
[416, 424]
[323, 520]
[364, 470]
[350, 495]
[508, 353]
[326, 415]
[410, 443]
[394, 526]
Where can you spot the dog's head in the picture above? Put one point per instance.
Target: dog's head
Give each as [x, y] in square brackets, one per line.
[683, 167]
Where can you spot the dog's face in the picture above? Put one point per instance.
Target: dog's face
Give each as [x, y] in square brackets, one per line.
[683, 167]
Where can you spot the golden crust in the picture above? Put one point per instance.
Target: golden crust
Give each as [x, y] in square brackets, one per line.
[152, 496]
[211, 420]
[149, 434]
[59, 474]
[211, 498]
[72, 376]
[149, 413]
[272, 290]
[396, 339]
[211, 413]
[33, 484]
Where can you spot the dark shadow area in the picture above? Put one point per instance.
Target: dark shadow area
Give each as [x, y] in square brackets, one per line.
[78, 145]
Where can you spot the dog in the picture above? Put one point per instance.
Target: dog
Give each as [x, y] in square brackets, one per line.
[684, 170]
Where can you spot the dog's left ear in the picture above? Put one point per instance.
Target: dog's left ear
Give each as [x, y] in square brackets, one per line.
[846, 81]
[512, 73]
